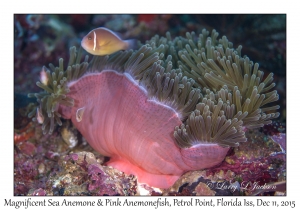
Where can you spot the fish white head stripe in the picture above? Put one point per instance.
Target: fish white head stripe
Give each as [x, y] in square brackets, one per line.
[94, 40]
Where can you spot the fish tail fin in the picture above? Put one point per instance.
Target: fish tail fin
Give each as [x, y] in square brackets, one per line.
[131, 44]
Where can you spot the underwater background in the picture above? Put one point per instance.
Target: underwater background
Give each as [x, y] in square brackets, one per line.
[44, 165]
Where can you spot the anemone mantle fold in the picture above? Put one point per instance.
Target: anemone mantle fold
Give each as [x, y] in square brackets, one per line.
[120, 121]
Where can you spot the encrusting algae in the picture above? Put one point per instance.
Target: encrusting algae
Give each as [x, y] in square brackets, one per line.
[201, 84]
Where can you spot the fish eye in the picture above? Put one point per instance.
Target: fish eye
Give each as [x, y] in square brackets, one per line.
[89, 38]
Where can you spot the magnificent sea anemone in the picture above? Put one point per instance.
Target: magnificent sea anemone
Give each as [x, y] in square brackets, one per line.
[172, 106]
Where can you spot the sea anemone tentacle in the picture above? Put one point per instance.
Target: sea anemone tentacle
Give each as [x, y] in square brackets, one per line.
[56, 89]
[212, 123]
[214, 63]
[178, 72]
[200, 89]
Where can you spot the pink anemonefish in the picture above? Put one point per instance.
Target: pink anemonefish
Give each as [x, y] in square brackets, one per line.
[102, 41]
